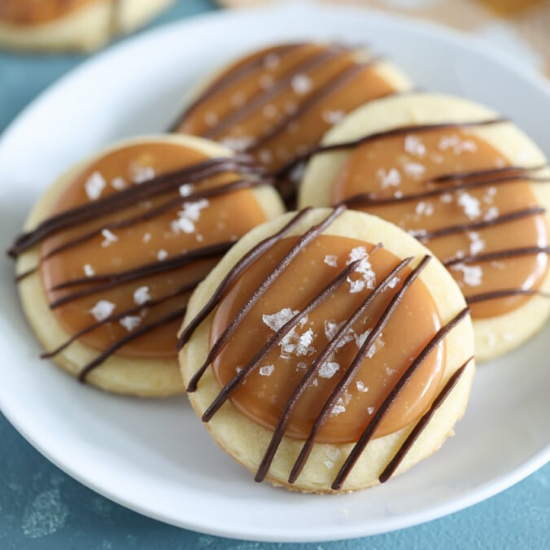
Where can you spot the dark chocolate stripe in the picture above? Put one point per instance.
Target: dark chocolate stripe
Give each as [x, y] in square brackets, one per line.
[354, 366]
[422, 423]
[114, 318]
[146, 329]
[503, 171]
[310, 64]
[159, 211]
[423, 235]
[371, 199]
[379, 415]
[123, 199]
[116, 279]
[302, 242]
[504, 293]
[25, 274]
[498, 255]
[313, 370]
[276, 339]
[399, 131]
[229, 79]
[330, 87]
[250, 257]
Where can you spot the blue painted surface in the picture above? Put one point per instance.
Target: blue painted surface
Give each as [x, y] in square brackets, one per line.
[42, 508]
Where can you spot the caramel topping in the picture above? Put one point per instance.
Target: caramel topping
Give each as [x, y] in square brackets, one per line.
[31, 12]
[358, 274]
[267, 390]
[279, 102]
[131, 236]
[457, 194]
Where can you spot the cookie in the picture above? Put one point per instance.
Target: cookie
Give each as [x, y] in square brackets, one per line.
[51, 25]
[328, 351]
[278, 102]
[113, 249]
[467, 183]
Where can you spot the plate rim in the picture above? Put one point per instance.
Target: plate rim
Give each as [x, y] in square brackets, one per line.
[434, 30]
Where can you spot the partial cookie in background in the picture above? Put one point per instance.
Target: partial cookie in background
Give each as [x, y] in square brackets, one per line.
[472, 187]
[369, 359]
[50, 25]
[113, 249]
[276, 103]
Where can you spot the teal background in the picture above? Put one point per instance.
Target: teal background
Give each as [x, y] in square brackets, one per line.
[42, 508]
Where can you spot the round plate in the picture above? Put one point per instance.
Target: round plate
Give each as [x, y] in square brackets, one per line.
[154, 456]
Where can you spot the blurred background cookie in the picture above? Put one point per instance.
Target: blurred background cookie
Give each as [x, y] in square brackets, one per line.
[112, 251]
[47, 25]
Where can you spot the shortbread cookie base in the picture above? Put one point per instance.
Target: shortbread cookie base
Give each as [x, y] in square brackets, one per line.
[145, 378]
[87, 28]
[246, 441]
[495, 336]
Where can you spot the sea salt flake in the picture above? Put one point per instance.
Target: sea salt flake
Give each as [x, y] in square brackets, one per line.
[276, 320]
[130, 322]
[162, 255]
[331, 260]
[472, 274]
[370, 410]
[119, 183]
[338, 409]
[102, 310]
[140, 173]
[267, 370]
[414, 169]
[414, 146]
[357, 253]
[305, 340]
[108, 238]
[333, 117]
[329, 369]
[355, 285]
[424, 209]
[470, 206]
[477, 244]
[491, 213]
[94, 186]
[301, 84]
[389, 178]
[333, 453]
[361, 386]
[89, 270]
[328, 463]
[446, 198]
[141, 295]
[146, 237]
[186, 189]
[389, 371]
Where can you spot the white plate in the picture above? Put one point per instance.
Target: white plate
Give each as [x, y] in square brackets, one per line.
[154, 456]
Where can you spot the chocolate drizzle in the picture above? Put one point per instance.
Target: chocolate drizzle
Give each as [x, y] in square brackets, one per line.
[422, 423]
[126, 198]
[399, 131]
[366, 436]
[423, 235]
[306, 238]
[307, 379]
[196, 174]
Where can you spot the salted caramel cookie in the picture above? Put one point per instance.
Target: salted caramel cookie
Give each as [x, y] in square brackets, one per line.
[113, 249]
[468, 184]
[278, 102]
[71, 24]
[328, 351]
